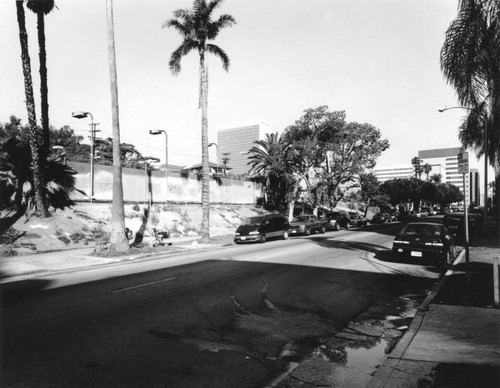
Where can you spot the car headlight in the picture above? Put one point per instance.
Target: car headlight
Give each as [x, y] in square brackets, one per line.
[237, 234]
[436, 244]
[401, 242]
[254, 232]
[302, 227]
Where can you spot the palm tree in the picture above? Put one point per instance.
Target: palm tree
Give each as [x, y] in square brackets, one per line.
[42, 8]
[269, 167]
[436, 178]
[427, 169]
[38, 178]
[118, 239]
[470, 61]
[197, 28]
[417, 166]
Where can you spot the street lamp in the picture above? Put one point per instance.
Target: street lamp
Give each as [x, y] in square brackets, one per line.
[217, 149]
[159, 132]
[82, 115]
[62, 153]
[485, 142]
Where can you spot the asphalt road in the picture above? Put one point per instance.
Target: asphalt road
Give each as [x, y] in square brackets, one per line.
[226, 319]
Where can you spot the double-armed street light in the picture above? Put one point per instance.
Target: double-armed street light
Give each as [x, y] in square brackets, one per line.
[82, 115]
[159, 132]
[485, 143]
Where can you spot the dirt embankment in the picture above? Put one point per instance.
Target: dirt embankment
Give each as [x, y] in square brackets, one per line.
[86, 225]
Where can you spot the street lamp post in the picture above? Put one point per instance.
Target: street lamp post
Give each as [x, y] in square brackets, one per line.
[217, 149]
[485, 142]
[159, 132]
[81, 115]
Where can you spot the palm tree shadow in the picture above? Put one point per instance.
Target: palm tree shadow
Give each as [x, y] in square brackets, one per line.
[139, 236]
[349, 245]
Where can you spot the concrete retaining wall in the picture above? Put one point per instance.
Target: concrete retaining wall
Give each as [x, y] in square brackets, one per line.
[180, 189]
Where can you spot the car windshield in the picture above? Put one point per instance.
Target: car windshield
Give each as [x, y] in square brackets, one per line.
[302, 219]
[422, 229]
[253, 221]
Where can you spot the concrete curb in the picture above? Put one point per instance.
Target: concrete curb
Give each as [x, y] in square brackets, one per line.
[112, 261]
[392, 360]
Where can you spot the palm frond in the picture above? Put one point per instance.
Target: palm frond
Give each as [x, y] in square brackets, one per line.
[217, 51]
[215, 27]
[175, 59]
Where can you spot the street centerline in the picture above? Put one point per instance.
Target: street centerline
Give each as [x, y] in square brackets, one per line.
[143, 285]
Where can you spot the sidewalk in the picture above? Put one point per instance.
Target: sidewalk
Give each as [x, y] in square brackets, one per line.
[14, 267]
[454, 339]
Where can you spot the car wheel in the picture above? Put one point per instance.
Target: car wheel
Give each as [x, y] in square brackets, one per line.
[285, 235]
[307, 231]
[348, 225]
[337, 227]
[322, 230]
[263, 238]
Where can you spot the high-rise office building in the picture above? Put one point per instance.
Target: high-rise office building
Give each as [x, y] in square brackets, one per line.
[444, 161]
[393, 172]
[235, 140]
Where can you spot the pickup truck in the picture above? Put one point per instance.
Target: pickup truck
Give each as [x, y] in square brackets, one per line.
[307, 224]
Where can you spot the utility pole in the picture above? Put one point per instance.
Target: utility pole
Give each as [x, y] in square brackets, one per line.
[93, 131]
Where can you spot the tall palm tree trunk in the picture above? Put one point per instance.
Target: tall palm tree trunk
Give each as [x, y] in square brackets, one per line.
[38, 179]
[205, 171]
[44, 89]
[118, 240]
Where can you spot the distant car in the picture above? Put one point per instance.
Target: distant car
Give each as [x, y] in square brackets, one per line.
[357, 219]
[307, 224]
[338, 219]
[381, 218]
[424, 240]
[393, 215]
[262, 228]
[455, 223]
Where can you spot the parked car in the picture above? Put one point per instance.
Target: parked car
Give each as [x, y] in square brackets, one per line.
[393, 215]
[307, 224]
[357, 219]
[380, 218]
[262, 228]
[455, 223]
[338, 219]
[424, 240]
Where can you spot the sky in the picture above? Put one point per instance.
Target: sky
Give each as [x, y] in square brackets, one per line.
[376, 60]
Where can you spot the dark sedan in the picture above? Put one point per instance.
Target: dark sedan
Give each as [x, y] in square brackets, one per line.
[381, 218]
[357, 219]
[424, 240]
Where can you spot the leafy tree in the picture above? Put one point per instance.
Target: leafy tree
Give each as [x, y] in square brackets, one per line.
[38, 178]
[42, 8]
[470, 61]
[370, 185]
[447, 193]
[197, 27]
[74, 149]
[335, 150]
[403, 191]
